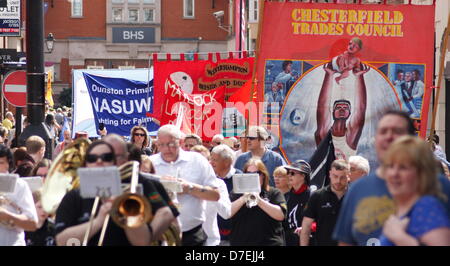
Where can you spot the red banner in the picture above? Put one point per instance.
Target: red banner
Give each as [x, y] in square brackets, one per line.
[200, 114]
[200, 77]
[324, 65]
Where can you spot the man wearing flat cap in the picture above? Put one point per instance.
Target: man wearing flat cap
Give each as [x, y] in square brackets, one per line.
[299, 177]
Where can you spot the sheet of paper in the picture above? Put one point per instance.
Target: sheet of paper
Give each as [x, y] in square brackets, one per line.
[99, 181]
[168, 184]
[8, 182]
[172, 186]
[34, 182]
[246, 183]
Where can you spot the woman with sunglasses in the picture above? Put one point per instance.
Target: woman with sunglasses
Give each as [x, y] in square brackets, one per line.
[139, 137]
[299, 179]
[72, 216]
[260, 225]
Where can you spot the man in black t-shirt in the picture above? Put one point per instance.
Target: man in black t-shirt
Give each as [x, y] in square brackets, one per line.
[323, 206]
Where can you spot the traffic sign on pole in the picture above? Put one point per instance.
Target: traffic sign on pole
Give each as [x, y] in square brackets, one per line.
[14, 88]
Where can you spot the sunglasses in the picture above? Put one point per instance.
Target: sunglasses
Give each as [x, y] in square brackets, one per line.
[292, 173]
[252, 138]
[105, 157]
[139, 134]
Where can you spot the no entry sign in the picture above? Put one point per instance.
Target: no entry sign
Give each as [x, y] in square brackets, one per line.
[14, 88]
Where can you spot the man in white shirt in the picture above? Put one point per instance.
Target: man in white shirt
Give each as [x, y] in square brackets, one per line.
[221, 207]
[218, 228]
[196, 176]
[21, 214]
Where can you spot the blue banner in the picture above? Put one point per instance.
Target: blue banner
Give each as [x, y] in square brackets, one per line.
[120, 103]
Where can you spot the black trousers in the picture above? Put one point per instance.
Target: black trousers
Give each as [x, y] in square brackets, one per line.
[194, 237]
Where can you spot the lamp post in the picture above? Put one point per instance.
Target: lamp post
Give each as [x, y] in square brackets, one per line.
[36, 76]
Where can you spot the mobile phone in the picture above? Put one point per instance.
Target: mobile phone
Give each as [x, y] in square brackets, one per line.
[101, 126]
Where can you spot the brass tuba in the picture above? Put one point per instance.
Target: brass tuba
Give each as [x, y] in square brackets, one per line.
[62, 175]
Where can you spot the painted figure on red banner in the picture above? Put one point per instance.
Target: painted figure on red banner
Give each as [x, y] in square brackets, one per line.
[400, 78]
[345, 127]
[286, 75]
[347, 61]
[275, 94]
[418, 89]
[407, 89]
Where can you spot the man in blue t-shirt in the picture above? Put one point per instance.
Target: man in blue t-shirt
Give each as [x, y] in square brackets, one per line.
[256, 139]
[368, 203]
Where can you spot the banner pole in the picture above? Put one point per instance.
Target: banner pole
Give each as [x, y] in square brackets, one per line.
[440, 75]
[254, 79]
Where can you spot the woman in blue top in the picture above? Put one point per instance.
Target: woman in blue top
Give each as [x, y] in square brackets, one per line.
[411, 177]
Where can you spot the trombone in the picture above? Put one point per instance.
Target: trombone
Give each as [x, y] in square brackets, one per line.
[129, 210]
[132, 210]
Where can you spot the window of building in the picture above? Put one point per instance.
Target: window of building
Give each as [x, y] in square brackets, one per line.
[188, 8]
[134, 11]
[253, 11]
[133, 15]
[126, 67]
[94, 67]
[149, 15]
[117, 14]
[77, 8]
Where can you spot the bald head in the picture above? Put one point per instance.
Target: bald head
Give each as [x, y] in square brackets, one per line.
[120, 147]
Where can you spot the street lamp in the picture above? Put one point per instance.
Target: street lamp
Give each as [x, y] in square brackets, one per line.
[49, 42]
